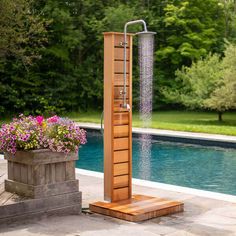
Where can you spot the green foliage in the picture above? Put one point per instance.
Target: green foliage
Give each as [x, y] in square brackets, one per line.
[21, 31]
[194, 121]
[51, 51]
[223, 97]
[209, 83]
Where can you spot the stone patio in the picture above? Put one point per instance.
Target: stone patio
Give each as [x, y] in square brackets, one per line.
[202, 216]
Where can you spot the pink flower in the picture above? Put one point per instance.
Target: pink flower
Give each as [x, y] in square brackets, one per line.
[53, 119]
[40, 119]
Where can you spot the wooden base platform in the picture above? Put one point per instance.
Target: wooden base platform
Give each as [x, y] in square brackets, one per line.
[138, 208]
[17, 208]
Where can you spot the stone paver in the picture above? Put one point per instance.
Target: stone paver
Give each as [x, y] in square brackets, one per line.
[202, 217]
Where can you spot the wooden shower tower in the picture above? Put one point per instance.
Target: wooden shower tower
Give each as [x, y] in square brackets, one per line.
[119, 201]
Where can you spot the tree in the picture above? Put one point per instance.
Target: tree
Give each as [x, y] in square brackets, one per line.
[22, 36]
[21, 31]
[209, 83]
[223, 97]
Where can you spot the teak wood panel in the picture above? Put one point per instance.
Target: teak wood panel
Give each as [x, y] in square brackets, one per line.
[119, 54]
[121, 118]
[121, 194]
[119, 79]
[118, 106]
[117, 120]
[137, 208]
[119, 40]
[121, 181]
[121, 169]
[119, 67]
[121, 131]
[121, 144]
[121, 156]
[119, 92]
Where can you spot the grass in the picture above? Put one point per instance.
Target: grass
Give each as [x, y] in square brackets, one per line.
[204, 122]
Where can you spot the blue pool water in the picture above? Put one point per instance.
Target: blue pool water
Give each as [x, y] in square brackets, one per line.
[195, 166]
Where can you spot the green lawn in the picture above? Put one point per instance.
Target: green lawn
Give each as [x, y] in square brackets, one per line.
[205, 122]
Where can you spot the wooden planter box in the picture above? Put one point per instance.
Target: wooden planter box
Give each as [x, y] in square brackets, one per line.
[41, 173]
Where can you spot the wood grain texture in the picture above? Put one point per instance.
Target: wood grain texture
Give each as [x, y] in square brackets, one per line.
[119, 92]
[119, 79]
[121, 181]
[108, 111]
[121, 144]
[137, 208]
[121, 118]
[121, 131]
[118, 105]
[121, 194]
[119, 67]
[121, 156]
[119, 41]
[121, 168]
[119, 54]
[117, 119]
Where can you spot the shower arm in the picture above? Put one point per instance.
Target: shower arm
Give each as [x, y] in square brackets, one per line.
[125, 105]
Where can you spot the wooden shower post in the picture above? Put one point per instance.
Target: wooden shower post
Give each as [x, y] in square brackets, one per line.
[119, 201]
[117, 120]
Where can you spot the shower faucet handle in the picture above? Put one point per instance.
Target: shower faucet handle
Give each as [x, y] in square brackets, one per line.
[123, 43]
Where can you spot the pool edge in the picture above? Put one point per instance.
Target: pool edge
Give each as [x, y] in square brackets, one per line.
[203, 139]
[168, 187]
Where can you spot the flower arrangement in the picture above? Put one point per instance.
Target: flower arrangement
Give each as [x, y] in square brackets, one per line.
[30, 133]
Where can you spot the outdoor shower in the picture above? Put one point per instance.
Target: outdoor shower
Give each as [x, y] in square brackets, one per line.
[119, 201]
[146, 42]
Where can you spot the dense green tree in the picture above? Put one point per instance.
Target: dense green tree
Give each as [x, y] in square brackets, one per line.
[22, 34]
[61, 68]
[209, 83]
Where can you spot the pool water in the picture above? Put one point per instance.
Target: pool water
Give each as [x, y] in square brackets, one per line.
[195, 166]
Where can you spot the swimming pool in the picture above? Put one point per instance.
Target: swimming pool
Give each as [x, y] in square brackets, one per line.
[194, 166]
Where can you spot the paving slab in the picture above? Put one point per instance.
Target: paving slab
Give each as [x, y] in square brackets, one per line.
[202, 216]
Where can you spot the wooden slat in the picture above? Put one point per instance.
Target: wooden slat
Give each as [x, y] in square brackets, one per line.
[120, 194]
[121, 181]
[119, 79]
[10, 169]
[47, 174]
[138, 208]
[53, 172]
[119, 54]
[119, 92]
[121, 131]
[118, 105]
[121, 169]
[70, 170]
[38, 172]
[119, 67]
[60, 172]
[16, 172]
[121, 144]
[108, 110]
[23, 173]
[121, 156]
[121, 118]
[30, 175]
[119, 40]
